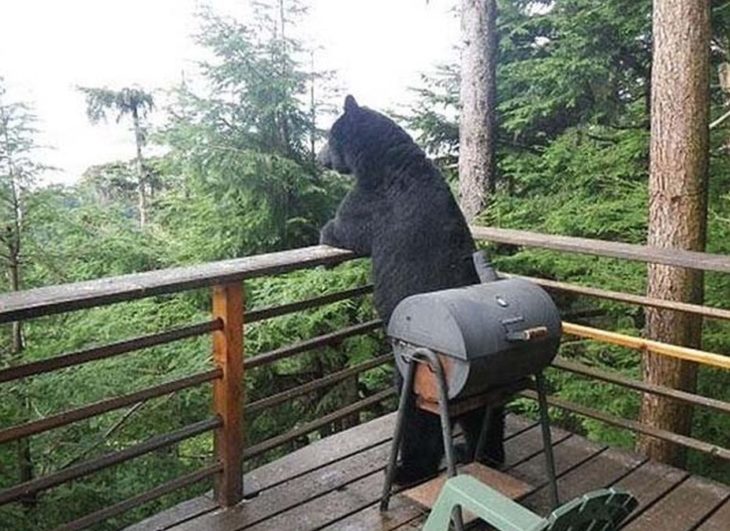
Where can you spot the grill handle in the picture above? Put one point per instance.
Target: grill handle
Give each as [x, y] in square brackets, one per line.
[529, 334]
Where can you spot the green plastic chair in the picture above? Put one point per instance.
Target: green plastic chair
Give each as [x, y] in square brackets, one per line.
[600, 510]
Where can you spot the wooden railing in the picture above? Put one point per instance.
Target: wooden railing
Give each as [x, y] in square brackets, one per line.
[227, 373]
[226, 326]
[640, 253]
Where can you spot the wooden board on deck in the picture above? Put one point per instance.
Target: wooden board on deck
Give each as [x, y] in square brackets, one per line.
[426, 493]
[335, 485]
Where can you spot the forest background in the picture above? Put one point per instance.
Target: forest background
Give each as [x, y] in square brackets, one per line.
[237, 177]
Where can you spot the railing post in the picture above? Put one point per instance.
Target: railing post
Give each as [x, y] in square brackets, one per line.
[228, 391]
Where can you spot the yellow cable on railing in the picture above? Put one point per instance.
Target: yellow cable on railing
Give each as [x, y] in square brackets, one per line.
[638, 343]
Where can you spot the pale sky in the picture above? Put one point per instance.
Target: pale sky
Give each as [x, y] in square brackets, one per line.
[48, 47]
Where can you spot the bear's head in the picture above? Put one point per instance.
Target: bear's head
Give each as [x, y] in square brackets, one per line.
[362, 142]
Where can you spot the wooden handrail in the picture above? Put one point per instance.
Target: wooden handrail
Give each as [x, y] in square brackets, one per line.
[87, 467]
[639, 343]
[107, 351]
[330, 379]
[270, 444]
[309, 344]
[227, 329]
[628, 298]
[140, 499]
[104, 406]
[20, 305]
[629, 383]
[635, 426]
[260, 314]
[608, 249]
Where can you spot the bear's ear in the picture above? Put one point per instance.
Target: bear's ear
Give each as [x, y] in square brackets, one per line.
[350, 104]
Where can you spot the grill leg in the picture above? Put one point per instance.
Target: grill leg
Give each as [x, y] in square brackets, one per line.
[445, 428]
[546, 439]
[405, 395]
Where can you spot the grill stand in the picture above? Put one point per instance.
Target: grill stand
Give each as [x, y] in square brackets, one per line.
[427, 356]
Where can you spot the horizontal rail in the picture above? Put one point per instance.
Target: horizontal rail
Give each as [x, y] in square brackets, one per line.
[632, 425]
[617, 379]
[309, 344]
[639, 343]
[627, 251]
[107, 351]
[33, 486]
[706, 311]
[330, 379]
[141, 499]
[104, 406]
[253, 316]
[50, 300]
[284, 438]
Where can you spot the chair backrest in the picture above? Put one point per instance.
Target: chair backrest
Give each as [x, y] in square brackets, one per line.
[600, 510]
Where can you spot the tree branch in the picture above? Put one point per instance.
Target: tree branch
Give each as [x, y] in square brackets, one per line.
[118, 424]
[720, 120]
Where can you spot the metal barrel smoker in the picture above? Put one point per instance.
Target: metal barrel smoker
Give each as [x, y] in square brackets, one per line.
[473, 347]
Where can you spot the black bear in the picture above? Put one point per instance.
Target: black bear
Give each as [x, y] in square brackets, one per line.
[402, 214]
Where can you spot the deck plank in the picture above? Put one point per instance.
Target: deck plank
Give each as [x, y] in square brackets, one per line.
[335, 484]
[522, 440]
[293, 493]
[719, 520]
[601, 471]
[334, 448]
[401, 511]
[182, 512]
[648, 483]
[318, 454]
[528, 444]
[682, 508]
[568, 454]
[324, 510]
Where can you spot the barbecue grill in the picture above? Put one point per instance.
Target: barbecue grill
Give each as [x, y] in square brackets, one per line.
[470, 347]
[485, 335]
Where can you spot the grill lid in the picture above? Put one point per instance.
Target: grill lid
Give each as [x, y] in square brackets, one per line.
[479, 320]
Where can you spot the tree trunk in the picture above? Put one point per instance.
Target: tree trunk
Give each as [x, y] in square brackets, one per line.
[312, 113]
[24, 456]
[141, 181]
[478, 102]
[677, 205]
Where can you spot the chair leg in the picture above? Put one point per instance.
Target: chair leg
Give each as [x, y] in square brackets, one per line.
[546, 439]
[405, 396]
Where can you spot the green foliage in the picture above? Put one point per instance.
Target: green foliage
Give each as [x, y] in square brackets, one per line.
[573, 151]
[242, 150]
[237, 178]
[132, 101]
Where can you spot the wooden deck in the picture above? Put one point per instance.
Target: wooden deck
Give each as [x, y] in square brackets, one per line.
[335, 484]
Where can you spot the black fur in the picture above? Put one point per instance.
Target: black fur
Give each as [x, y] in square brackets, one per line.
[402, 213]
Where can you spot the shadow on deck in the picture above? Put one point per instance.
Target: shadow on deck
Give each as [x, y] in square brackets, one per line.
[335, 484]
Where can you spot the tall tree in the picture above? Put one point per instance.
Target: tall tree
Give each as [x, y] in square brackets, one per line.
[243, 149]
[677, 203]
[477, 171]
[136, 103]
[18, 172]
